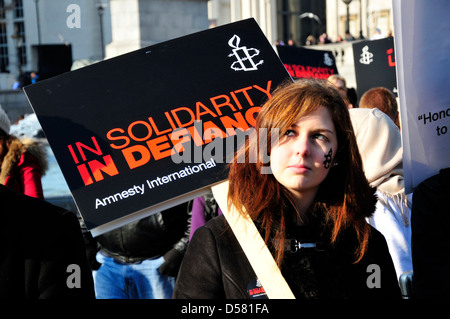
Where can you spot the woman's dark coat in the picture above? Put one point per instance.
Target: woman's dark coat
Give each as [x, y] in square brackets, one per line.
[216, 267]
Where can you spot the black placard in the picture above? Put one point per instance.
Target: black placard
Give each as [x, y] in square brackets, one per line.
[304, 63]
[122, 129]
[375, 65]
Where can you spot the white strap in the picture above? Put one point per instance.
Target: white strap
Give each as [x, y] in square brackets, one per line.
[254, 247]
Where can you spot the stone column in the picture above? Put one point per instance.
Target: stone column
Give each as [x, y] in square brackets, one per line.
[139, 23]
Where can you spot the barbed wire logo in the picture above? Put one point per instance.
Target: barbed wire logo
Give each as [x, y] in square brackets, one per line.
[243, 55]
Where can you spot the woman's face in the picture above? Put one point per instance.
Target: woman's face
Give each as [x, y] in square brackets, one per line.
[302, 158]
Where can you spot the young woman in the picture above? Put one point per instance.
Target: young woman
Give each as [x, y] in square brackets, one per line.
[317, 195]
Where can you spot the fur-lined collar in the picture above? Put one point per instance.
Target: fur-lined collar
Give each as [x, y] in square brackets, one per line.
[15, 151]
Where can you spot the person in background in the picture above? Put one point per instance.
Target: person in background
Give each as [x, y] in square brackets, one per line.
[348, 36]
[430, 224]
[291, 43]
[380, 146]
[141, 259]
[43, 252]
[324, 39]
[34, 77]
[340, 83]
[310, 40]
[382, 99]
[22, 162]
[310, 210]
[203, 209]
[377, 35]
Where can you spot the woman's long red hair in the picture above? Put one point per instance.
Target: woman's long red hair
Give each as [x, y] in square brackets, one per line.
[345, 195]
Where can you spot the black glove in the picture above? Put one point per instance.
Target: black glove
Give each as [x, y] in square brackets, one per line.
[172, 263]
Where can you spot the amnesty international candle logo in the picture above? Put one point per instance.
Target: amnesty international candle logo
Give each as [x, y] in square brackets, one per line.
[243, 56]
[366, 56]
[150, 129]
[327, 60]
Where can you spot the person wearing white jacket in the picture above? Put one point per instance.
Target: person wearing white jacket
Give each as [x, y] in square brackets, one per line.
[380, 146]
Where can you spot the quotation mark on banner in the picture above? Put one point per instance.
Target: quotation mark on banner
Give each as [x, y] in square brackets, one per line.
[74, 19]
[243, 56]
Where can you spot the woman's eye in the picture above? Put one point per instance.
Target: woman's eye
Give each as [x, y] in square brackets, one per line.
[290, 133]
[320, 137]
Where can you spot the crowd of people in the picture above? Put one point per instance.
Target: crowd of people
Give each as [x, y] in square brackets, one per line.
[325, 39]
[333, 208]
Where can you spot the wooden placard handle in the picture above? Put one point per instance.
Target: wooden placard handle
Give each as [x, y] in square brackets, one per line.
[254, 247]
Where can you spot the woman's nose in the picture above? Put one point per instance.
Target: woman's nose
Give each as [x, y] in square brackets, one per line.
[302, 147]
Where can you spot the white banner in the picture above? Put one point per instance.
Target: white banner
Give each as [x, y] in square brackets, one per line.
[422, 47]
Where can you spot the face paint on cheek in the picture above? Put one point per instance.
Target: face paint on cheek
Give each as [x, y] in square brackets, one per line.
[327, 161]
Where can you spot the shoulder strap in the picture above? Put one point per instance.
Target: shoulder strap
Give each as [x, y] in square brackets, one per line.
[254, 247]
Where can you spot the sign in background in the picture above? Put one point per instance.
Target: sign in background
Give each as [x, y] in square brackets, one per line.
[375, 65]
[304, 63]
[423, 65]
[133, 134]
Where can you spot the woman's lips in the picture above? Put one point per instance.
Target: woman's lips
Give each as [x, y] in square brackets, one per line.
[299, 168]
